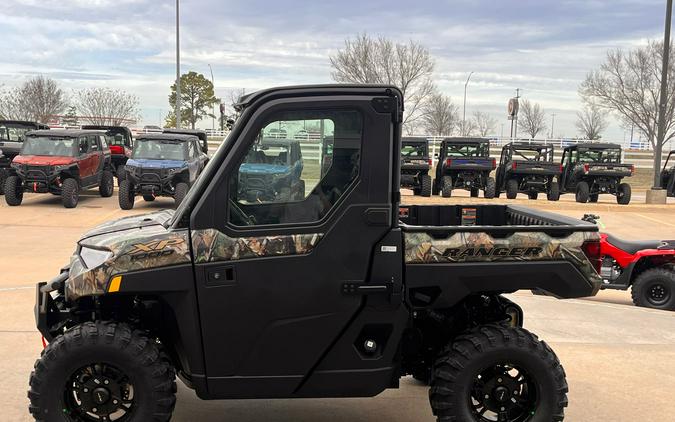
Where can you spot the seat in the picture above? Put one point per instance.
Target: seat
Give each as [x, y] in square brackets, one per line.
[632, 247]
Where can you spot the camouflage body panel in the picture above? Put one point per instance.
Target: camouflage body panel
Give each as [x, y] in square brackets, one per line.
[211, 245]
[134, 249]
[421, 248]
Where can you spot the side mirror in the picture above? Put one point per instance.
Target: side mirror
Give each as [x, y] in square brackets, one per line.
[436, 155]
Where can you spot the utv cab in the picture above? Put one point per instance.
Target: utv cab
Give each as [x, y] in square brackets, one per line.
[595, 168]
[203, 138]
[60, 162]
[120, 142]
[465, 163]
[272, 171]
[528, 168]
[12, 134]
[161, 164]
[415, 165]
[668, 175]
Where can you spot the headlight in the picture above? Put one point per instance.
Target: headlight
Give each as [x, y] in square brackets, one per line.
[58, 169]
[175, 170]
[92, 258]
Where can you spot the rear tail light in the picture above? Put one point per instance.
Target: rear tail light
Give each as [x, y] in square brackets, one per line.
[448, 162]
[514, 165]
[430, 162]
[591, 249]
[494, 163]
[561, 168]
[587, 168]
[632, 170]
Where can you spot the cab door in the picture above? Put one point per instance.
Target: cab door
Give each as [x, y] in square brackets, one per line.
[85, 160]
[271, 275]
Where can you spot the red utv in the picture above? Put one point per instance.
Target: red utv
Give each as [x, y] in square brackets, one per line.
[647, 267]
[61, 162]
[121, 143]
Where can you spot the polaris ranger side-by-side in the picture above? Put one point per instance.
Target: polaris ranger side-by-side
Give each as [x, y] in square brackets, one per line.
[528, 168]
[415, 165]
[339, 294]
[595, 168]
[465, 163]
[12, 134]
[161, 164]
[60, 162]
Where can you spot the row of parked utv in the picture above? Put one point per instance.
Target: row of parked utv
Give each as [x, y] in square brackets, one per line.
[67, 162]
[587, 170]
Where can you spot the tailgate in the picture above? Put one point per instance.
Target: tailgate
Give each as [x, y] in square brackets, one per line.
[535, 167]
[623, 170]
[470, 163]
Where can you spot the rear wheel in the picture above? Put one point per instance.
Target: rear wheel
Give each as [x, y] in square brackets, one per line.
[107, 186]
[182, 190]
[494, 373]
[425, 190]
[435, 190]
[108, 372]
[582, 192]
[126, 195]
[490, 188]
[13, 191]
[553, 192]
[511, 189]
[70, 193]
[3, 178]
[148, 198]
[655, 288]
[623, 194]
[446, 186]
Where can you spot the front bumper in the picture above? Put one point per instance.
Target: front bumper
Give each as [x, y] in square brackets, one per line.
[156, 183]
[50, 313]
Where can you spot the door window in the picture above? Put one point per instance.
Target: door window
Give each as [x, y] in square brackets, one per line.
[282, 179]
[93, 143]
[83, 145]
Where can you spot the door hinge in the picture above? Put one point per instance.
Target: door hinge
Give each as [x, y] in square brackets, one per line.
[359, 289]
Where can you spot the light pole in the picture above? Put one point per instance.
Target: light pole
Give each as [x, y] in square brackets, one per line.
[213, 115]
[661, 134]
[464, 108]
[178, 104]
[552, 123]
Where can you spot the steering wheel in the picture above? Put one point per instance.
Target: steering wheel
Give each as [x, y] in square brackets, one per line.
[246, 219]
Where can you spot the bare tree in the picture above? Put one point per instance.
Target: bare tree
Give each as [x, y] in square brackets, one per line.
[591, 122]
[628, 83]
[105, 106]
[368, 60]
[439, 115]
[484, 123]
[39, 98]
[466, 127]
[531, 118]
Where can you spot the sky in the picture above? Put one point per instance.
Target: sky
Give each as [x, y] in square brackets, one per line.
[543, 47]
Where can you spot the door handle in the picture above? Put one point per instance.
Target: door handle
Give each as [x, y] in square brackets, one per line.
[220, 276]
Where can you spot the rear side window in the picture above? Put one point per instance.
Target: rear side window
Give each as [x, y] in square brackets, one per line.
[285, 178]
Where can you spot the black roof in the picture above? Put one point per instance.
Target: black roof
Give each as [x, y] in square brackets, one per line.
[461, 140]
[166, 137]
[64, 133]
[593, 145]
[23, 123]
[334, 89]
[527, 145]
[111, 129]
[194, 132]
[415, 140]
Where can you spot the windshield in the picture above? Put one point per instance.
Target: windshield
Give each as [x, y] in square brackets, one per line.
[268, 154]
[600, 155]
[13, 134]
[160, 149]
[34, 145]
[116, 139]
[414, 150]
[532, 154]
[467, 150]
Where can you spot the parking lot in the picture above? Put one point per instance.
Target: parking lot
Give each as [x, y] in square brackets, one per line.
[620, 360]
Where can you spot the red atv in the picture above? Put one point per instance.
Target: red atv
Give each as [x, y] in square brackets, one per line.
[61, 162]
[645, 266]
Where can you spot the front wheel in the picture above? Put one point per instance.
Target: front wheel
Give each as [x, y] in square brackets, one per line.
[494, 373]
[425, 190]
[446, 187]
[655, 288]
[13, 191]
[107, 186]
[553, 192]
[583, 192]
[623, 194]
[3, 177]
[490, 188]
[511, 189]
[108, 372]
[533, 195]
[70, 193]
[126, 195]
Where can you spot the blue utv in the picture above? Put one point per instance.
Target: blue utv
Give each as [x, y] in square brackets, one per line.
[161, 164]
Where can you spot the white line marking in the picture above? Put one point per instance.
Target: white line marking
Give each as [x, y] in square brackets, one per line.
[9, 289]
